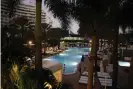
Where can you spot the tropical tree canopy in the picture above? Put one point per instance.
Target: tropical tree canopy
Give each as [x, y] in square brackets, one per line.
[56, 33]
[13, 38]
[105, 13]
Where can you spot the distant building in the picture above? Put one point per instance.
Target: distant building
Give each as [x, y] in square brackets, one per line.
[22, 10]
[4, 13]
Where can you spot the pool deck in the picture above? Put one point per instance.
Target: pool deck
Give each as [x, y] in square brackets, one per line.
[73, 79]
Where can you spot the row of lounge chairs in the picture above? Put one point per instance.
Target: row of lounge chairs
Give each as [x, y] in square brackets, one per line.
[104, 78]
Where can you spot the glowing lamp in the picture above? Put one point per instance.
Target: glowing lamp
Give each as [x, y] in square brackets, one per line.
[30, 42]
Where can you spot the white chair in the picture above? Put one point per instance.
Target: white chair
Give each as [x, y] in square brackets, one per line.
[85, 73]
[84, 80]
[103, 74]
[84, 77]
[105, 82]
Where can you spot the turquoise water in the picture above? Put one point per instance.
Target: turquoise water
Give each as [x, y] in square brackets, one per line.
[70, 58]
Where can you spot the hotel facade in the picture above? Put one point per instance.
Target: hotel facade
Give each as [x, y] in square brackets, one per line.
[22, 9]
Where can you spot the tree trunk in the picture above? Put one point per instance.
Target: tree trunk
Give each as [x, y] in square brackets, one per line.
[96, 50]
[91, 63]
[38, 36]
[92, 60]
[115, 59]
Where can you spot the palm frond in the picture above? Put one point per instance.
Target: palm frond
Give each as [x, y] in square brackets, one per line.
[60, 9]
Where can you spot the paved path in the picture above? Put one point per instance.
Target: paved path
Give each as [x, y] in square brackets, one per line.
[73, 79]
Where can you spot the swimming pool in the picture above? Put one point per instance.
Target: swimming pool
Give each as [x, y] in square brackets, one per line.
[70, 58]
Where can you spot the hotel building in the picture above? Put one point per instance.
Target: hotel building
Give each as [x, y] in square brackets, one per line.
[22, 10]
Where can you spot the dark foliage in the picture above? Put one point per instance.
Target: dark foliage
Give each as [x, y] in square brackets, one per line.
[60, 9]
[58, 33]
[13, 38]
[54, 35]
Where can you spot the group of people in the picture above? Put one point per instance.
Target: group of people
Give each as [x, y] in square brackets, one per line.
[83, 65]
[103, 59]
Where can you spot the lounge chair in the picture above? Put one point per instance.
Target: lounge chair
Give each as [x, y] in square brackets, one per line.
[107, 76]
[103, 80]
[84, 80]
[102, 73]
[85, 73]
[106, 83]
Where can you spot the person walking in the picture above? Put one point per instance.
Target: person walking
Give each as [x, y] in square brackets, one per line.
[105, 60]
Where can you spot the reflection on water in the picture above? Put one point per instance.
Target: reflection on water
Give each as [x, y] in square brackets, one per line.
[63, 54]
[74, 63]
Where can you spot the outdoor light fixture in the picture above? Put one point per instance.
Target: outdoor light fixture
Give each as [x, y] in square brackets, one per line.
[125, 64]
[30, 42]
[90, 41]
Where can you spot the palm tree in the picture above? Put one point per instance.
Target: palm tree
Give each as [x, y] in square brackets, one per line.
[88, 12]
[38, 58]
[60, 9]
[38, 34]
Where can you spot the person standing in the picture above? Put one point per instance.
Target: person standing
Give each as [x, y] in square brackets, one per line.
[64, 68]
[105, 60]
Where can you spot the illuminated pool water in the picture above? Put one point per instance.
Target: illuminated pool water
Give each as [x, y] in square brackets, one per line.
[70, 58]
